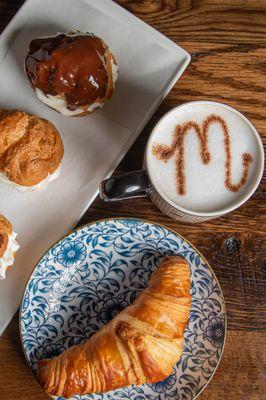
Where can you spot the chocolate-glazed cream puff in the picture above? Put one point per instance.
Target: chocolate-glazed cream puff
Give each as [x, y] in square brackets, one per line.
[71, 73]
[31, 150]
[8, 245]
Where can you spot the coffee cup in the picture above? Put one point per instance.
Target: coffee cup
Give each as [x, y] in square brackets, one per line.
[203, 160]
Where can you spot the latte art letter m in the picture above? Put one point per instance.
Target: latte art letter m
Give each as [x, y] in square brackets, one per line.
[164, 152]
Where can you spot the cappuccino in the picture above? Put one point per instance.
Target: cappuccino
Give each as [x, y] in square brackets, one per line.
[204, 157]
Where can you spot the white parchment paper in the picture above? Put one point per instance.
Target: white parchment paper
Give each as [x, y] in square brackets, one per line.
[149, 65]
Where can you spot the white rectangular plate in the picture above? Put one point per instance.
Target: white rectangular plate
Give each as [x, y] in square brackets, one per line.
[149, 65]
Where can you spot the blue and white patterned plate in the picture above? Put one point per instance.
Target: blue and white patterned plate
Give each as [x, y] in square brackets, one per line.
[96, 271]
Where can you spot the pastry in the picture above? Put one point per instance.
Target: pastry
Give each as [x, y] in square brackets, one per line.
[31, 150]
[72, 73]
[8, 245]
[140, 345]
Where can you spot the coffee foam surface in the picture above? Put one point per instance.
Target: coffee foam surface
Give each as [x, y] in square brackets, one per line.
[205, 183]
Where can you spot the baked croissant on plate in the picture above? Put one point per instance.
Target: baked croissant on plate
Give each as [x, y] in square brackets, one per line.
[140, 345]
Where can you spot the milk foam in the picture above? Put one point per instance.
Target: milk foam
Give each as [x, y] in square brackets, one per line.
[205, 187]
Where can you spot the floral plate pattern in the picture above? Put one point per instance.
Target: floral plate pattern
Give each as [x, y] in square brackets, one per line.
[85, 279]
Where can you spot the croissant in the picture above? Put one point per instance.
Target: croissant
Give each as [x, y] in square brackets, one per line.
[140, 345]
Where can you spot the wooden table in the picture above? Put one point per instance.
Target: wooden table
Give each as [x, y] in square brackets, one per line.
[227, 41]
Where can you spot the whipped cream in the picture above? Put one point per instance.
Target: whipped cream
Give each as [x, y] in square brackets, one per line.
[59, 103]
[40, 186]
[8, 257]
[114, 71]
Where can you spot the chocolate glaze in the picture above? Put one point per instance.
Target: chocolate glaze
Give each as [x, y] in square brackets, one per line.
[73, 66]
[164, 152]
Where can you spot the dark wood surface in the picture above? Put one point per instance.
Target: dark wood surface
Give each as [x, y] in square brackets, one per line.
[227, 40]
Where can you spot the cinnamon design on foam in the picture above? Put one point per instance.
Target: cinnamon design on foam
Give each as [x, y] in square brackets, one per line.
[164, 152]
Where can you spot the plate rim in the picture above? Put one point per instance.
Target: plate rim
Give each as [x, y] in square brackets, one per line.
[135, 219]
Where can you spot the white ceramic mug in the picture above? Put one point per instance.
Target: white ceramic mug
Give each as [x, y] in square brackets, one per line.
[141, 184]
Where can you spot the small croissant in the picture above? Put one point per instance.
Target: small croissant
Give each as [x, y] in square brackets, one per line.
[140, 345]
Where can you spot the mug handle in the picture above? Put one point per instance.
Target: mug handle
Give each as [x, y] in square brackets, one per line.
[126, 186]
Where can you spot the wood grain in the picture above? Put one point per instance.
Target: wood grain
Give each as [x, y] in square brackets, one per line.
[229, 21]
[227, 41]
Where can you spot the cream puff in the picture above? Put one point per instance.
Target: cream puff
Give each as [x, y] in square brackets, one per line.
[8, 245]
[31, 150]
[72, 73]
